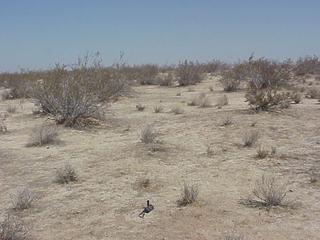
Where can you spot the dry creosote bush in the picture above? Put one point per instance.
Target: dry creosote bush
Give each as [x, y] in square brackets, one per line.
[66, 174]
[22, 199]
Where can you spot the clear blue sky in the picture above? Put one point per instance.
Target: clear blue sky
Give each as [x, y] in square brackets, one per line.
[39, 33]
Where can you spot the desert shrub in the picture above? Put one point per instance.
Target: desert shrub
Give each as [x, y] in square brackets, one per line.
[43, 135]
[268, 192]
[142, 183]
[296, 97]
[188, 73]
[66, 174]
[262, 153]
[307, 65]
[148, 135]
[266, 78]
[11, 109]
[22, 199]
[226, 121]
[13, 228]
[222, 101]
[189, 195]
[233, 236]
[177, 109]
[5, 94]
[140, 107]
[77, 92]
[158, 109]
[201, 100]
[148, 74]
[3, 126]
[250, 138]
[214, 66]
[167, 80]
[230, 81]
[313, 93]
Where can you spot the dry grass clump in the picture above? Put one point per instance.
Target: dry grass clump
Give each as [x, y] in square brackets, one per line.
[222, 101]
[268, 192]
[158, 109]
[313, 93]
[250, 138]
[188, 73]
[142, 183]
[226, 121]
[66, 174]
[201, 100]
[230, 81]
[233, 236]
[140, 107]
[43, 135]
[148, 135]
[3, 126]
[189, 195]
[177, 109]
[13, 228]
[11, 109]
[22, 199]
[296, 97]
[262, 153]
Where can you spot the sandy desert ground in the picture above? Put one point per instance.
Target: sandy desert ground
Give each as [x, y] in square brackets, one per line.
[111, 160]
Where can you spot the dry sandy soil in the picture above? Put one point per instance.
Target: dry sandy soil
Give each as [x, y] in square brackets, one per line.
[110, 159]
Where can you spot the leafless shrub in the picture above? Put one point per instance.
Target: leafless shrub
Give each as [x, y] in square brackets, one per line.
[188, 73]
[22, 199]
[222, 101]
[3, 126]
[250, 138]
[266, 77]
[189, 195]
[66, 174]
[167, 80]
[296, 97]
[43, 135]
[177, 109]
[11, 109]
[148, 74]
[268, 192]
[140, 107]
[77, 92]
[226, 121]
[148, 135]
[13, 228]
[233, 236]
[284, 104]
[262, 153]
[307, 65]
[158, 109]
[205, 102]
[313, 93]
[201, 100]
[230, 81]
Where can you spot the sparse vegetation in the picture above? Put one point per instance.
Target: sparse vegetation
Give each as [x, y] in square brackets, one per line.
[66, 174]
[148, 135]
[268, 192]
[23, 199]
[296, 97]
[189, 195]
[177, 109]
[233, 236]
[43, 135]
[188, 73]
[140, 107]
[222, 101]
[13, 228]
[230, 81]
[158, 109]
[11, 109]
[262, 153]
[3, 126]
[250, 138]
[226, 121]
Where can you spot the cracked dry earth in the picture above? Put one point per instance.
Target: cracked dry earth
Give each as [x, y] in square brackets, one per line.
[111, 160]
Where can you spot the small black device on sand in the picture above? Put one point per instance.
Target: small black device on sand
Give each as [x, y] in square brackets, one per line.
[147, 209]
